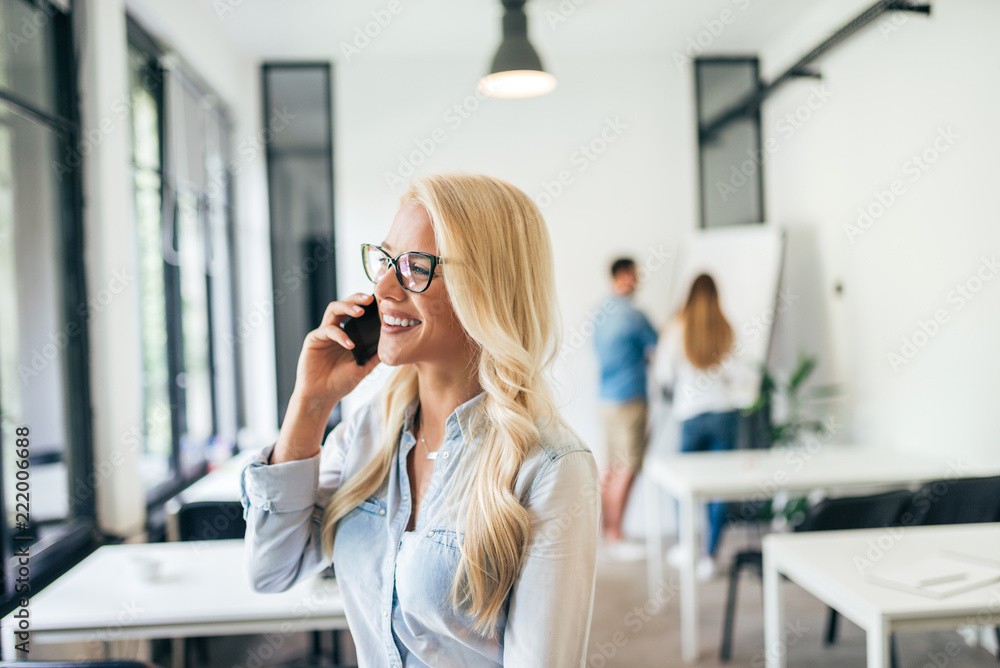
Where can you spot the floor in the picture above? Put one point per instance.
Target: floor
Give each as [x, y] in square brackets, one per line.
[630, 630]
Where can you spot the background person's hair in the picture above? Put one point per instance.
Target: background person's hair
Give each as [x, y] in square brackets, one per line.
[708, 336]
[498, 269]
[622, 264]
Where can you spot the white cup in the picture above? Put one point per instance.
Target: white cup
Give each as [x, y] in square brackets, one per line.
[147, 569]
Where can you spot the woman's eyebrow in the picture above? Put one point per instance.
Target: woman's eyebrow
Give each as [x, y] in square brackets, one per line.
[385, 246]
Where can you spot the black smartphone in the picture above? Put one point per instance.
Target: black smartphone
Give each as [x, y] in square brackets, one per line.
[364, 330]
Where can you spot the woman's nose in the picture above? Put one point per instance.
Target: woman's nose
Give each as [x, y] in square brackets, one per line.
[386, 285]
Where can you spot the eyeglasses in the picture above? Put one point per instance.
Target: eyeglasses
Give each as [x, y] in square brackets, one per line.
[414, 270]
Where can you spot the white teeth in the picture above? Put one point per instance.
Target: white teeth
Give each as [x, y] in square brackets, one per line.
[399, 322]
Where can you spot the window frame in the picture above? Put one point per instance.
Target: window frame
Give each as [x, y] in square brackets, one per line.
[77, 536]
[140, 39]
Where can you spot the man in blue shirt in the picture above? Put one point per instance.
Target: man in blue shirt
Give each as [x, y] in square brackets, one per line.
[624, 341]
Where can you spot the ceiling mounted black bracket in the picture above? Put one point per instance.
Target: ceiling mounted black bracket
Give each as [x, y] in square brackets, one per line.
[750, 105]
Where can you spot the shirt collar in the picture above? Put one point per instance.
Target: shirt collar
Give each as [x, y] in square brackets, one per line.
[460, 418]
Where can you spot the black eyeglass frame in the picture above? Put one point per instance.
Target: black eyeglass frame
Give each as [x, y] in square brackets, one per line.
[394, 261]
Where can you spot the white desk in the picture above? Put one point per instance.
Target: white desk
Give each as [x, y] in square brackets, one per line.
[221, 484]
[204, 590]
[696, 478]
[823, 563]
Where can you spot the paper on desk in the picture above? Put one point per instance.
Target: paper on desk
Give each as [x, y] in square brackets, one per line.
[938, 575]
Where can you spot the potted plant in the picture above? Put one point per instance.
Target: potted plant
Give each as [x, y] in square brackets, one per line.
[797, 421]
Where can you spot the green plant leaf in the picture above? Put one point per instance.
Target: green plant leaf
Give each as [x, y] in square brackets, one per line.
[803, 369]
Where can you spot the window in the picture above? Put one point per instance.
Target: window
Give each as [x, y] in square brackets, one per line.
[180, 143]
[298, 129]
[730, 161]
[44, 311]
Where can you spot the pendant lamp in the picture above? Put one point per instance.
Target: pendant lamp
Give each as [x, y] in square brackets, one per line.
[517, 69]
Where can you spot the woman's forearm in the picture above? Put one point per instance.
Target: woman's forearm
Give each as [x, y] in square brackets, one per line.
[301, 432]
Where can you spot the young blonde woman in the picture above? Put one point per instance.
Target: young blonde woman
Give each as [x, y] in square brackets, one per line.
[459, 511]
[695, 363]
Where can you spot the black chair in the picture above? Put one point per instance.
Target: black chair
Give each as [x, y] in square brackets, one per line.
[211, 520]
[857, 512]
[75, 664]
[957, 501]
[208, 520]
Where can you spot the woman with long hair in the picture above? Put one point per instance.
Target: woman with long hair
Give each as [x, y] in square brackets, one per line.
[695, 364]
[459, 511]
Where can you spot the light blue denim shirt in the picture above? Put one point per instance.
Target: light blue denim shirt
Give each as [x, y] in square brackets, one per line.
[624, 341]
[396, 583]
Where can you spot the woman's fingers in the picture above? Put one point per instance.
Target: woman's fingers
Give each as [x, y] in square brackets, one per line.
[336, 334]
[349, 306]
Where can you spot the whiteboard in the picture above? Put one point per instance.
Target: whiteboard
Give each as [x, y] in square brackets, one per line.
[745, 261]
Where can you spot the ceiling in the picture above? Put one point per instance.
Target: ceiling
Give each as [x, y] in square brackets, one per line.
[269, 29]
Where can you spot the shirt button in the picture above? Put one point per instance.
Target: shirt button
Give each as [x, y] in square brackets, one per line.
[381, 511]
[406, 497]
[430, 534]
[444, 455]
[385, 613]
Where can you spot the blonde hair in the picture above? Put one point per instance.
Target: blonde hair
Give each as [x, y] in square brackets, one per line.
[499, 273]
[708, 336]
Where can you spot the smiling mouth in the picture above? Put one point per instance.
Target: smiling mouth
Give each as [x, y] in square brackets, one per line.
[402, 323]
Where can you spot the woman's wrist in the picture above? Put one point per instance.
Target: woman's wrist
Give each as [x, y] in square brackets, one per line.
[302, 429]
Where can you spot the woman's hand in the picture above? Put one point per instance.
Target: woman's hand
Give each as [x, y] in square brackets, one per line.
[326, 370]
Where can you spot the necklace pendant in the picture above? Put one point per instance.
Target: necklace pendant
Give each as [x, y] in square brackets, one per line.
[432, 455]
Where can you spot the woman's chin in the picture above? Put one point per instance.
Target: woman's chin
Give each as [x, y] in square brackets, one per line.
[390, 356]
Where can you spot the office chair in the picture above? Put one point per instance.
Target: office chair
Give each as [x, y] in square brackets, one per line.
[208, 520]
[958, 501]
[857, 512]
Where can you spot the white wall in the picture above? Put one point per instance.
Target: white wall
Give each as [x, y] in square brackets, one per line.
[906, 85]
[638, 197]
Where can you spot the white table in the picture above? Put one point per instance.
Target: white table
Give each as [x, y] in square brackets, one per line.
[696, 478]
[823, 563]
[204, 590]
[220, 484]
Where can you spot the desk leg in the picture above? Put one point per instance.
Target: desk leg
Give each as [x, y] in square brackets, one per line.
[878, 645]
[774, 614]
[688, 540]
[654, 538]
[177, 658]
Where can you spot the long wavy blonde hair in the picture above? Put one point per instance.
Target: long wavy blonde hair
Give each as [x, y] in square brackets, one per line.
[499, 275]
[708, 336]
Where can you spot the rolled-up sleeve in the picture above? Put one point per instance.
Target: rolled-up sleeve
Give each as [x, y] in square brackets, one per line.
[548, 620]
[283, 507]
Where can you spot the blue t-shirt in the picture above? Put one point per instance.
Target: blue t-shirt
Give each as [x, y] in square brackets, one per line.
[622, 340]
